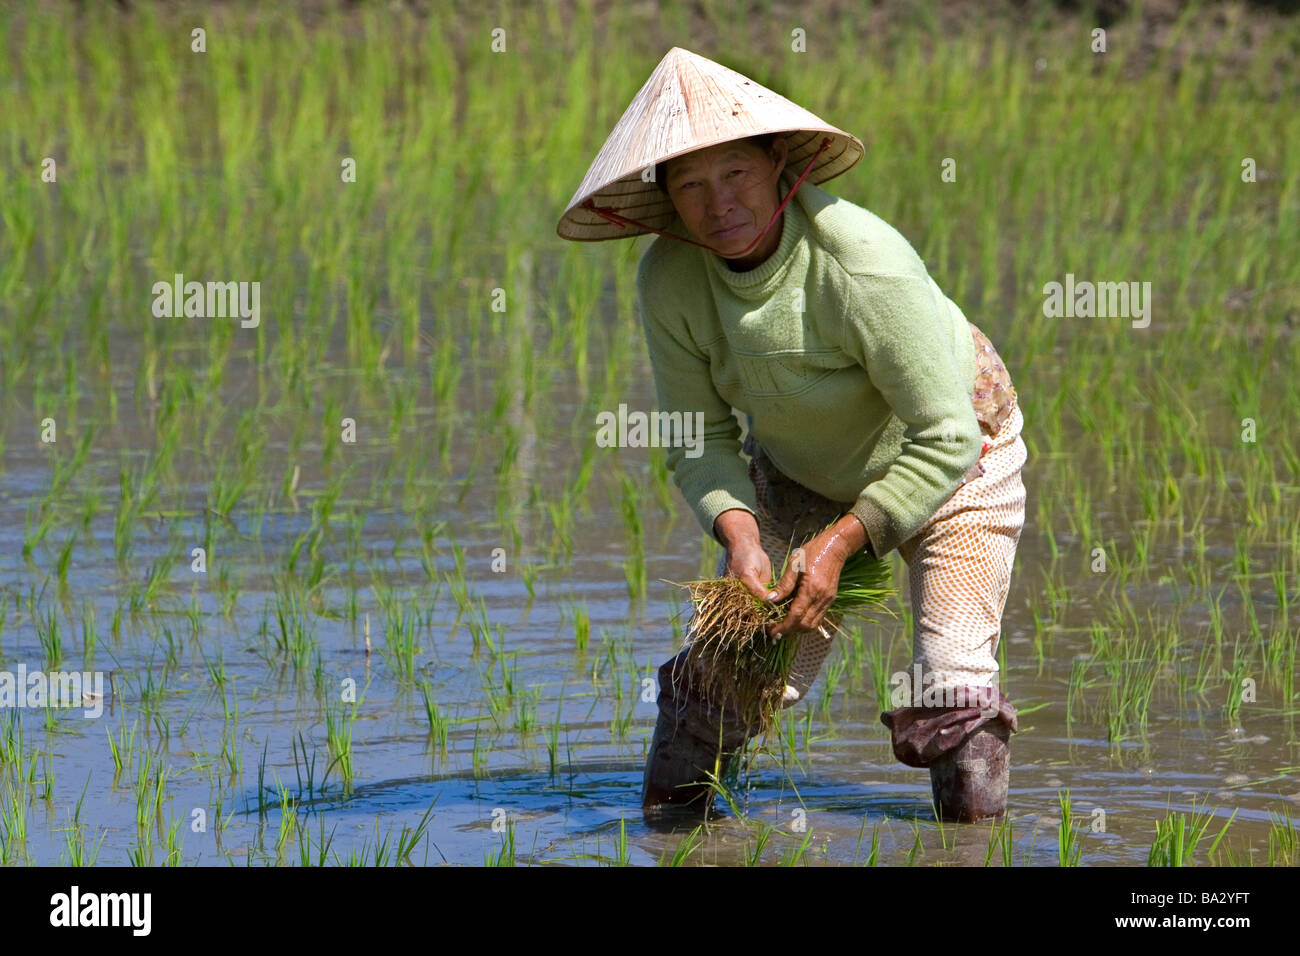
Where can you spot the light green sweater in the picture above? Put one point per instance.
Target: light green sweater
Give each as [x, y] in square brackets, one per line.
[862, 395]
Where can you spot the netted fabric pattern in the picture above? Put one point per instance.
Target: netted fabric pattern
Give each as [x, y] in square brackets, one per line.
[959, 568]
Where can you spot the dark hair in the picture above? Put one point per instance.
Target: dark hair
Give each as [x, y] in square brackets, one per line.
[763, 141]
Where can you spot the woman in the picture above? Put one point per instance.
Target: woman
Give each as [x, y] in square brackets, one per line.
[876, 412]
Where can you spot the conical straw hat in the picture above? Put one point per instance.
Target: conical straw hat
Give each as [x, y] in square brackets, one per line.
[691, 103]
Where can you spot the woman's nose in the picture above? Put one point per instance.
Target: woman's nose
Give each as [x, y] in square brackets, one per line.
[721, 201]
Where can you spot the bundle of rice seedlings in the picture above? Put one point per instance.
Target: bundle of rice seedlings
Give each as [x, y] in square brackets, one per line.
[736, 663]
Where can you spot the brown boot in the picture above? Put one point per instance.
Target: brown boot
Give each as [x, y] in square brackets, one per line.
[677, 769]
[691, 742]
[970, 781]
[966, 749]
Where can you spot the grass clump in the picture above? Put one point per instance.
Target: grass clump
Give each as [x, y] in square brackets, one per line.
[737, 663]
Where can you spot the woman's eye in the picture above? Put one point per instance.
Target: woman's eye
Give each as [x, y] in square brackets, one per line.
[692, 182]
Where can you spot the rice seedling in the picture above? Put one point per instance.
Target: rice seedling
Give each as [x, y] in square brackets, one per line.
[339, 722]
[561, 514]
[553, 740]
[122, 749]
[231, 740]
[686, 846]
[401, 642]
[877, 663]
[89, 637]
[795, 855]
[51, 638]
[262, 789]
[410, 837]
[620, 724]
[288, 823]
[142, 853]
[622, 850]
[733, 656]
[1236, 679]
[1069, 836]
[873, 855]
[144, 787]
[581, 626]
[1132, 682]
[322, 845]
[1178, 835]
[634, 568]
[65, 559]
[33, 538]
[47, 782]
[481, 630]
[152, 690]
[786, 734]
[917, 848]
[1283, 839]
[439, 725]
[171, 842]
[765, 833]
[142, 595]
[294, 639]
[505, 854]
[216, 668]
[526, 716]
[1075, 686]
[1001, 832]
[11, 739]
[528, 572]
[833, 672]
[79, 851]
[13, 824]
[478, 758]
[299, 746]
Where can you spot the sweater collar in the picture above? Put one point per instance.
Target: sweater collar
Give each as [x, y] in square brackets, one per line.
[760, 281]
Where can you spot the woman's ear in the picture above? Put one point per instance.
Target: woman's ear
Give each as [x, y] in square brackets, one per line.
[780, 151]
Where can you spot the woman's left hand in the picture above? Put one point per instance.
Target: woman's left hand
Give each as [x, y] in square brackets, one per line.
[822, 560]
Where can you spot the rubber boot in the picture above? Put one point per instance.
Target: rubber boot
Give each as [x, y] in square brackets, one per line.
[677, 770]
[691, 741]
[970, 781]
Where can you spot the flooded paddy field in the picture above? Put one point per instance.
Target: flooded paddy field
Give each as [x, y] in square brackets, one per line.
[346, 578]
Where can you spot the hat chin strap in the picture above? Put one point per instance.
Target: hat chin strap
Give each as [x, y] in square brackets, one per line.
[608, 213]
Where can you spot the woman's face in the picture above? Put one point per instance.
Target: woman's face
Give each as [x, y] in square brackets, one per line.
[727, 193]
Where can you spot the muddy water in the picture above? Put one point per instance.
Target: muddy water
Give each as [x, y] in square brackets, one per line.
[565, 805]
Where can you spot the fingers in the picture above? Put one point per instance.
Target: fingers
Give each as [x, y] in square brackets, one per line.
[785, 587]
[757, 585]
[807, 610]
[797, 608]
[754, 569]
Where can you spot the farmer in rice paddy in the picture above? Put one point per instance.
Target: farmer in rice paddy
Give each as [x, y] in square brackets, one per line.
[878, 416]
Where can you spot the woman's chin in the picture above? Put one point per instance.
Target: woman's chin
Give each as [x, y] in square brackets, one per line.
[733, 246]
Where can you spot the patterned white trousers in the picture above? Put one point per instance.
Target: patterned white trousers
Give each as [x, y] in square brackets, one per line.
[958, 564]
[959, 568]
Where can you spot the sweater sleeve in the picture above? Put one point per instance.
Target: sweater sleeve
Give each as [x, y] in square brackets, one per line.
[900, 334]
[712, 475]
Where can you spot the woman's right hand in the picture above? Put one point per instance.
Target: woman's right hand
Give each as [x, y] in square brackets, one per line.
[746, 558]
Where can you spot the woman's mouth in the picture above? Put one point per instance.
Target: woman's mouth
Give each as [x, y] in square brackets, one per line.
[728, 233]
